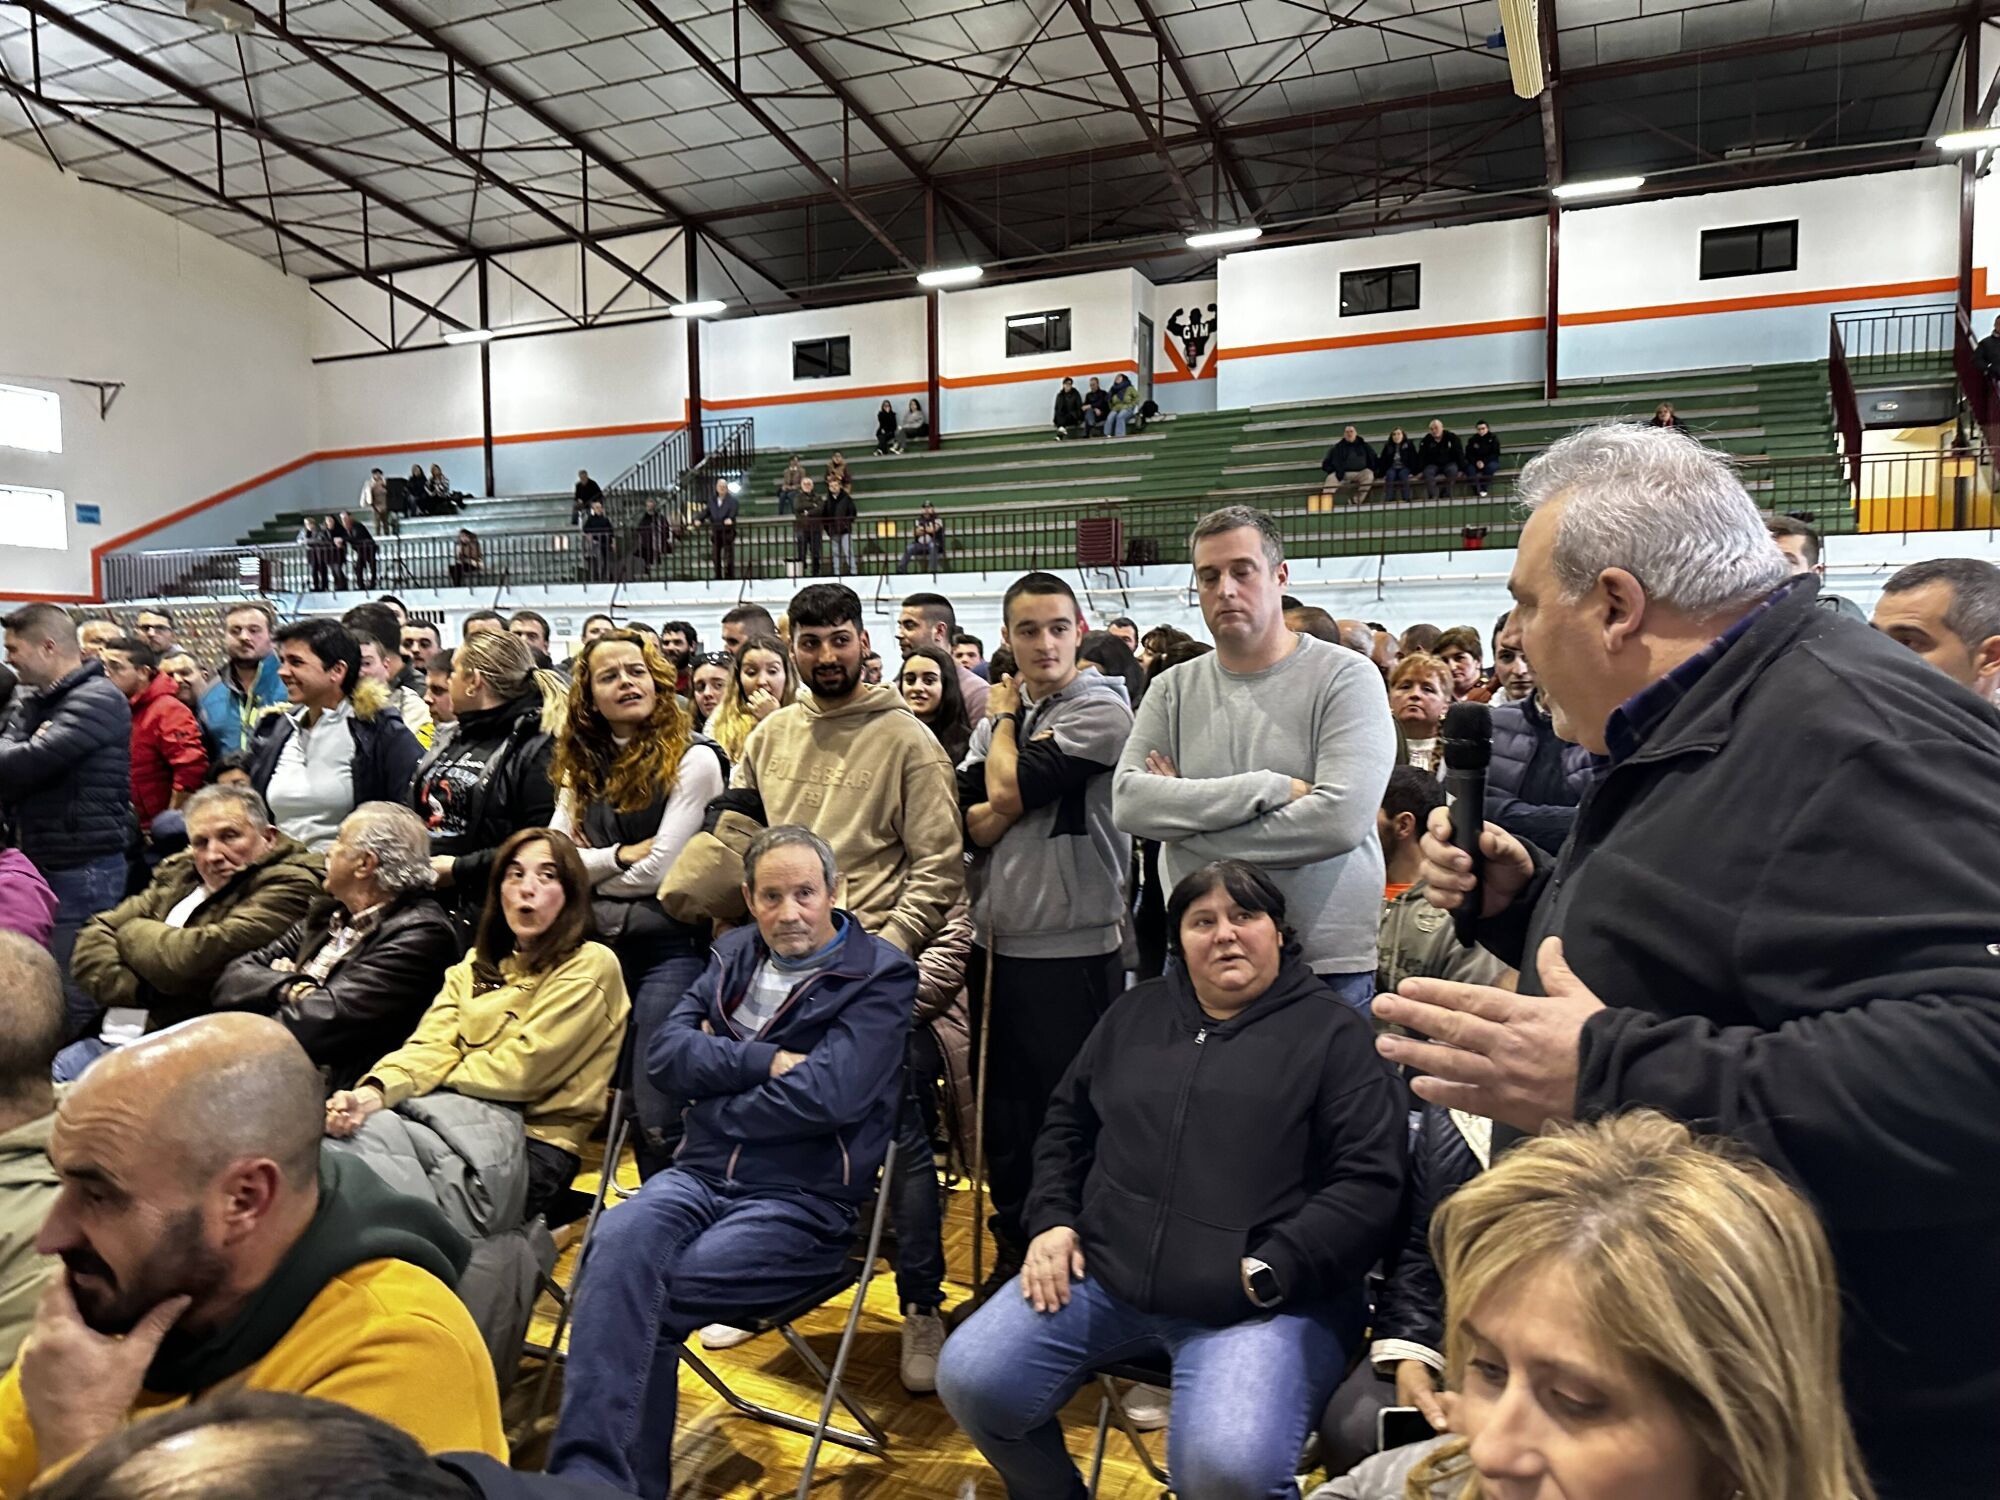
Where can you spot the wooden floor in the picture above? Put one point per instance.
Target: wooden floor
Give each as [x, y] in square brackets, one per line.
[718, 1453]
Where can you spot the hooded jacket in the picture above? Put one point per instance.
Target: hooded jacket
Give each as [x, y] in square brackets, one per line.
[66, 770]
[167, 751]
[1054, 885]
[232, 716]
[1177, 1144]
[1535, 779]
[824, 1126]
[129, 956]
[488, 779]
[372, 999]
[1786, 898]
[875, 784]
[360, 1312]
[385, 752]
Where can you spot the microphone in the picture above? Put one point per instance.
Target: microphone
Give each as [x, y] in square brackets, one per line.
[1468, 746]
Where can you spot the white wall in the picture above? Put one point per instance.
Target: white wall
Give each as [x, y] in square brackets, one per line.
[1182, 382]
[746, 370]
[210, 342]
[984, 389]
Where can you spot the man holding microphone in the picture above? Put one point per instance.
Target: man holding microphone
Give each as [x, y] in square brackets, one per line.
[1777, 918]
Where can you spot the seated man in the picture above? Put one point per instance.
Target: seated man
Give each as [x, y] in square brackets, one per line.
[793, 1106]
[31, 1029]
[352, 977]
[240, 884]
[1349, 462]
[206, 1247]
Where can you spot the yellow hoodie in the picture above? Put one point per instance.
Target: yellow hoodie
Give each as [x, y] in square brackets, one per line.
[875, 784]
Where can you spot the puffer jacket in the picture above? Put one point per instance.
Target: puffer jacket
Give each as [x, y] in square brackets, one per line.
[823, 1127]
[1177, 1144]
[1535, 780]
[128, 956]
[1451, 1148]
[385, 752]
[497, 763]
[373, 998]
[66, 770]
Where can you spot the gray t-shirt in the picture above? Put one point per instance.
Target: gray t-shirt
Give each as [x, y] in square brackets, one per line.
[1238, 740]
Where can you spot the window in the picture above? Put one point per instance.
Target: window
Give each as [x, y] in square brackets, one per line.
[32, 518]
[1038, 333]
[1750, 250]
[30, 419]
[821, 359]
[1388, 289]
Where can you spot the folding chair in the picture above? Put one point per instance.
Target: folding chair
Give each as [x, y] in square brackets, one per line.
[1148, 1370]
[857, 1273]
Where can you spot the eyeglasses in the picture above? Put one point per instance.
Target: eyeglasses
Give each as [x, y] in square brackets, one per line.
[714, 659]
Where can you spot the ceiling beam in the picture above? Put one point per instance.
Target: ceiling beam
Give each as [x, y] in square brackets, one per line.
[777, 131]
[274, 27]
[1147, 127]
[1225, 159]
[164, 78]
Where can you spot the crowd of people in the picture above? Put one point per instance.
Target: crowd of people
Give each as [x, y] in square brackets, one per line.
[1633, 1161]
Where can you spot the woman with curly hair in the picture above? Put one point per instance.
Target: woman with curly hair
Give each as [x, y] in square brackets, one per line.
[632, 783]
[760, 684]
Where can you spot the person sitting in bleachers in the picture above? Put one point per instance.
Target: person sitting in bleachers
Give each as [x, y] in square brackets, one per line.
[916, 426]
[208, 1244]
[1419, 693]
[351, 978]
[790, 1047]
[1398, 458]
[1349, 463]
[885, 429]
[1439, 456]
[157, 955]
[927, 540]
[1096, 407]
[530, 1021]
[1124, 405]
[1664, 416]
[1069, 415]
[1216, 1174]
[1482, 458]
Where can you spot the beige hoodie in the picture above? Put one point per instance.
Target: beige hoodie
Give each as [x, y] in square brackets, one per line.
[876, 785]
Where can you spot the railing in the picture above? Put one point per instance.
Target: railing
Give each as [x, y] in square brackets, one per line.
[1846, 410]
[1913, 491]
[669, 475]
[1973, 381]
[1887, 342]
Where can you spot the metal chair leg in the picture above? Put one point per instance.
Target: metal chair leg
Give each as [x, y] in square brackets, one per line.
[1097, 1445]
[614, 1147]
[771, 1415]
[1132, 1435]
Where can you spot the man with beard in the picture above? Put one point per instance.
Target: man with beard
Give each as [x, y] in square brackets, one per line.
[206, 1246]
[248, 685]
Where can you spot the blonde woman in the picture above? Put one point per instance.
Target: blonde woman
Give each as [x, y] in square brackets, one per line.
[1633, 1311]
[760, 685]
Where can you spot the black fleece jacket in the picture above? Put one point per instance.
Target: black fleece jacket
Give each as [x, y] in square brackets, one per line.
[1177, 1144]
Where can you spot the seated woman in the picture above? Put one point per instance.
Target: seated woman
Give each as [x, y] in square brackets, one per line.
[531, 1019]
[916, 426]
[352, 977]
[633, 783]
[885, 428]
[929, 684]
[760, 684]
[1633, 1311]
[1216, 1174]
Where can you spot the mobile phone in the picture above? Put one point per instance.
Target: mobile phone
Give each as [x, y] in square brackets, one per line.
[1396, 1426]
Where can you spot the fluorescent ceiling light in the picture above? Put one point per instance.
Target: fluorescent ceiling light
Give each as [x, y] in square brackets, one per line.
[951, 276]
[227, 16]
[1599, 187]
[1969, 140]
[706, 309]
[468, 335]
[1215, 237]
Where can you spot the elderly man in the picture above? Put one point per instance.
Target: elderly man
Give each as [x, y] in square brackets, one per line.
[1774, 918]
[790, 1049]
[1948, 612]
[352, 977]
[31, 1029]
[240, 884]
[207, 1246]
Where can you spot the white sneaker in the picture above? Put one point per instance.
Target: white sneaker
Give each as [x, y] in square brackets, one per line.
[1147, 1407]
[923, 1337]
[718, 1336]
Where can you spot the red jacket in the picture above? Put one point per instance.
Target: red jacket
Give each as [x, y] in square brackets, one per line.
[167, 752]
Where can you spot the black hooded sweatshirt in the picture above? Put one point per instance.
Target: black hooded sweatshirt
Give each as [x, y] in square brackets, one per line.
[1178, 1144]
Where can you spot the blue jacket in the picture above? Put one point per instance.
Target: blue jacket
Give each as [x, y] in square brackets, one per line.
[825, 1126]
[1536, 780]
[232, 719]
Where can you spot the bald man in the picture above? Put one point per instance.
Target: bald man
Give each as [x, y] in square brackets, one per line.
[205, 1245]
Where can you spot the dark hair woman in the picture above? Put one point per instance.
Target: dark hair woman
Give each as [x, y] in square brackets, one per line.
[532, 1018]
[885, 428]
[929, 685]
[632, 784]
[1225, 1157]
[1114, 659]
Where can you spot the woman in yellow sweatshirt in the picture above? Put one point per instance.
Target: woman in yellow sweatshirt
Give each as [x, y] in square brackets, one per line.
[532, 1017]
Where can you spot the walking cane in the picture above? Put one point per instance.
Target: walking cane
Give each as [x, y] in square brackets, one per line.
[979, 1130]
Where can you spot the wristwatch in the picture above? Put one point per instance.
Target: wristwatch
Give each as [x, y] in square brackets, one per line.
[1261, 1282]
[1014, 714]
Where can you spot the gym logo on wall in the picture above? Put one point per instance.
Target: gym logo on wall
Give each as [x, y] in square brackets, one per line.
[1190, 342]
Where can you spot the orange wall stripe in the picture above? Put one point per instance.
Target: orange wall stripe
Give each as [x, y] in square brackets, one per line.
[1754, 304]
[1398, 336]
[1050, 377]
[571, 434]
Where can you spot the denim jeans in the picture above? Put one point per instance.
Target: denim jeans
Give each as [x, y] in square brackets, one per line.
[1357, 990]
[915, 1208]
[74, 1060]
[82, 891]
[688, 1250]
[667, 974]
[1397, 478]
[1245, 1396]
[843, 554]
[1483, 471]
[1431, 473]
[1114, 425]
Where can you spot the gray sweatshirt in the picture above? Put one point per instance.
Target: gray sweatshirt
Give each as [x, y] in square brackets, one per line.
[1238, 740]
[1054, 886]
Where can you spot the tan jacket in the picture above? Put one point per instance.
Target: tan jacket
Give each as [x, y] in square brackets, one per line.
[27, 1190]
[547, 1043]
[876, 785]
